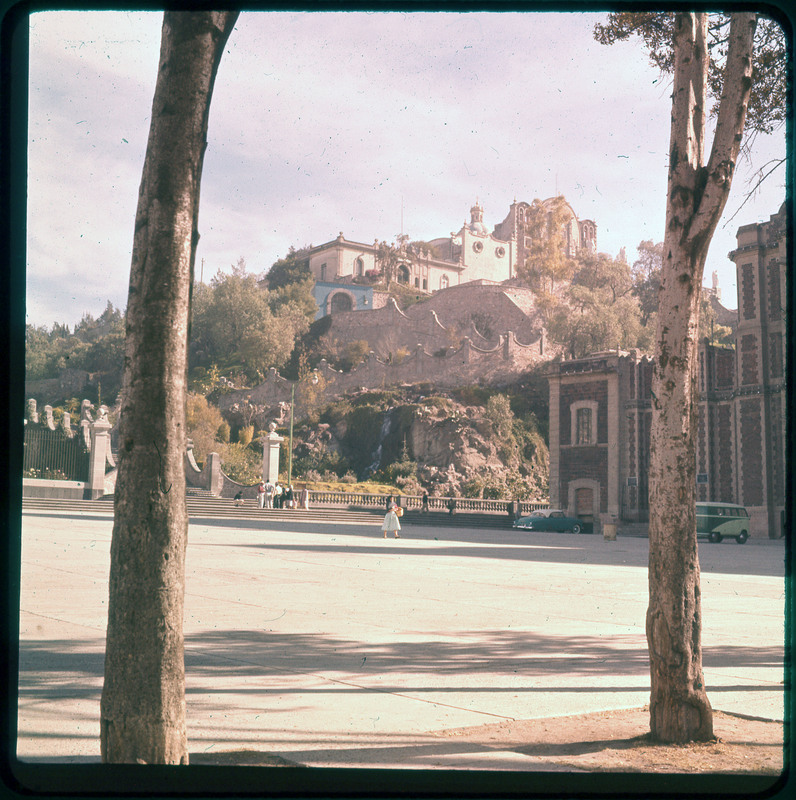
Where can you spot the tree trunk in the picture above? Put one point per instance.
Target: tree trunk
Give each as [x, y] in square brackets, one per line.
[679, 707]
[143, 697]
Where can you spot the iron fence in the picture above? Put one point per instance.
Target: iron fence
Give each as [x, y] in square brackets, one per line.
[53, 455]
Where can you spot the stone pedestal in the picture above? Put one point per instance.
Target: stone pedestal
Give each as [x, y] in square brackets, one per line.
[271, 442]
[100, 446]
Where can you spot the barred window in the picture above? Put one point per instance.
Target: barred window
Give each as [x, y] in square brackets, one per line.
[583, 426]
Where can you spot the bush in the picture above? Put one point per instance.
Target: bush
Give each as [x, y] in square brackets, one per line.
[222, 434]
[245, 435]
[242, 464]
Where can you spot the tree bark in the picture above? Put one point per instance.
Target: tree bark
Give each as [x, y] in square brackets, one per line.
[143, 696]
[679, 706]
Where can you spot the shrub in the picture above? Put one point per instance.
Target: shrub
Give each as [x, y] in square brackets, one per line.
[245, 435]
[242, 464]
[222, 434]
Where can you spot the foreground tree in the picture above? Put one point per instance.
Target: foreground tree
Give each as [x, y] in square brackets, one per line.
[697, 193]
[143, 696]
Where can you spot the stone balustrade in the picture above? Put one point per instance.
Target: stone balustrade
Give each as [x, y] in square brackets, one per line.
[465, 505]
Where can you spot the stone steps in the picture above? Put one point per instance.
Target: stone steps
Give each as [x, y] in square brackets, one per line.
[210, 507]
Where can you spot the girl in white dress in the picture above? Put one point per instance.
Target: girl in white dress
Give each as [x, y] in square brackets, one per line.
[391, 523]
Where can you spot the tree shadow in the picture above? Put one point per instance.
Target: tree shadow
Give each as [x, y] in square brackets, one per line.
[56, 669]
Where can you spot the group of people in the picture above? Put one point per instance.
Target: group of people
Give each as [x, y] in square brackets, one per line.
[275, 495]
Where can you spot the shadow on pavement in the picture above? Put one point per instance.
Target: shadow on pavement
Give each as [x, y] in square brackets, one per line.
[215, 655]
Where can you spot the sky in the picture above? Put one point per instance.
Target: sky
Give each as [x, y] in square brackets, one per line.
[369, 124]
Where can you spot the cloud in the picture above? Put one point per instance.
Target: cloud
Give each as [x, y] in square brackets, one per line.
[329, 122]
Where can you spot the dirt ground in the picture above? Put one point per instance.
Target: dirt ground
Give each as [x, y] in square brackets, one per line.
[618, 741]
[611, 741]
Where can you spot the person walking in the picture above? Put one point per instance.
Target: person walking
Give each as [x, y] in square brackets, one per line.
[424, 504]
[391, 523]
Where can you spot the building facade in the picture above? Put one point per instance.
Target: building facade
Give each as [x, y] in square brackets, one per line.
[473, 253]
[600, 411]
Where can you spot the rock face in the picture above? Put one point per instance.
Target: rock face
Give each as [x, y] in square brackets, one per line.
[443, 446]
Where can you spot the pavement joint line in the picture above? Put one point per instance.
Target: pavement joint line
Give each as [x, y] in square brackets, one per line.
[372, 689]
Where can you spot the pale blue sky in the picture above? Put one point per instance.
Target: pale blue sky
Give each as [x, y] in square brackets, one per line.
[329, 122]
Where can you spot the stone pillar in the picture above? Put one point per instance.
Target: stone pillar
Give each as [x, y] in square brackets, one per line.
[100, 444]
[271, 443]
[212, 466]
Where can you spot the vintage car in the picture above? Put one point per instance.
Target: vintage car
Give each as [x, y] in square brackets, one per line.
[549, 519]
[717, 521]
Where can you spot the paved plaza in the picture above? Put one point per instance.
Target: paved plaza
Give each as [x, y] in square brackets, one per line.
[328, 645]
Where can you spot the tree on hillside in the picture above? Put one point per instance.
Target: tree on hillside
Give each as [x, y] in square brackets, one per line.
[143, 697]
[598, 310]
[696, 195]
[293, 268]
[237, 322]
[388, 259]
[646, 274]
[547, 263]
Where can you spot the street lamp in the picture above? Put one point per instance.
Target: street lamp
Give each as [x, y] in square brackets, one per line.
[314, 380]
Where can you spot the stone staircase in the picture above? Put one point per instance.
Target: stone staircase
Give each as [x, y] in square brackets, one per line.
[203, 505]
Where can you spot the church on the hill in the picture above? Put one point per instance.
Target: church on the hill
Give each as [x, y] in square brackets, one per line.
[472, 253]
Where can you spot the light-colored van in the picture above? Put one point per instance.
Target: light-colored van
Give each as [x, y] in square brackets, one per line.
[718, 521]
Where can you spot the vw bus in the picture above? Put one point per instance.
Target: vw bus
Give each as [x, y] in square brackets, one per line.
[717, 521]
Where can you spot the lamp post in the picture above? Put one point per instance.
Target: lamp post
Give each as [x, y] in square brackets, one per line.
[314, 380]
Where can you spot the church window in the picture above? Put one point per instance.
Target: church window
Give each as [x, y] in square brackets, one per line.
[500, 252]
[478, 246]
[360, 266]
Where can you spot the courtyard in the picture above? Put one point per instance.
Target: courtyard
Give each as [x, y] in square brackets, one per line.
[326, 645]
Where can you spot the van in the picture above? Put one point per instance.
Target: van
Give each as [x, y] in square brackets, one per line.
[717, 521]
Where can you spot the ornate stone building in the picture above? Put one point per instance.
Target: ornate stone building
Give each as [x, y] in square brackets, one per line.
[600, 408]
[470, 254]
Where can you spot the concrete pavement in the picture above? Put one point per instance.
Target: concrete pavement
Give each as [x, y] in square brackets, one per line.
[327, 645]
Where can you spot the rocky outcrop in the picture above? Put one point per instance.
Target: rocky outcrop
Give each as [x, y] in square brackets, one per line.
[452, 448]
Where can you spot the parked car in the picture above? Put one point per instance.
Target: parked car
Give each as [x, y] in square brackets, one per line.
[549, 519]
[717, 521]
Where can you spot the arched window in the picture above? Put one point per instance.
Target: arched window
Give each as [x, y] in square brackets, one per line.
[359, 267]
[403, 274]
[444, 282]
